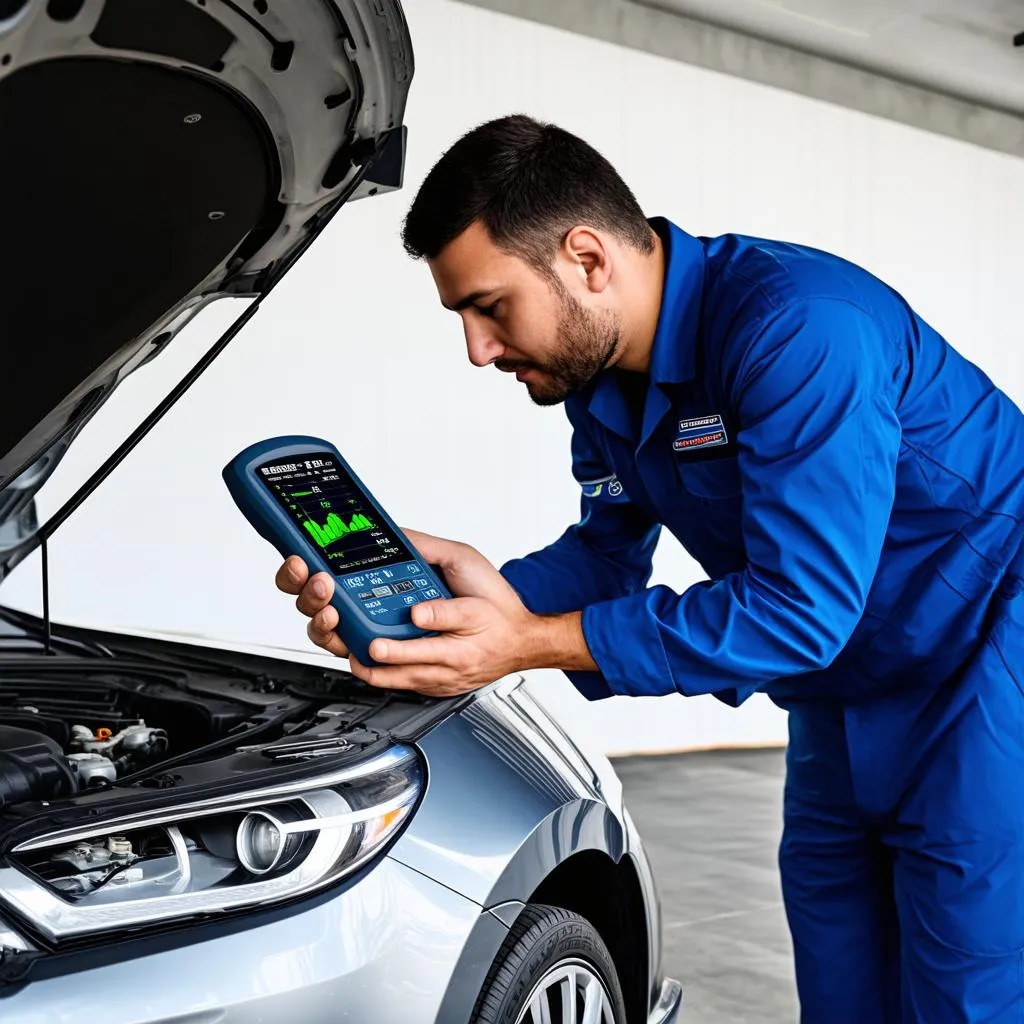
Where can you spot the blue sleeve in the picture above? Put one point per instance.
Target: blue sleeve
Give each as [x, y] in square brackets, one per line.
[607, 554]
[818, 443]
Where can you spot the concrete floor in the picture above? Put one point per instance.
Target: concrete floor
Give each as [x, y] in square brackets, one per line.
[711, 823]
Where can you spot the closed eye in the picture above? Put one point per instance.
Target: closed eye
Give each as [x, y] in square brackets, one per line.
[489, 311]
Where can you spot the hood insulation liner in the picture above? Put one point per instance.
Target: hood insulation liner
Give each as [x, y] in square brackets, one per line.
[125, 185]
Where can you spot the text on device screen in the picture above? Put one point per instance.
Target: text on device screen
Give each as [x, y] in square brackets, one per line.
[334, 515]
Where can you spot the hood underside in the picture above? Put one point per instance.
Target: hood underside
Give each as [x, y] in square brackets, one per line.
[159, 154]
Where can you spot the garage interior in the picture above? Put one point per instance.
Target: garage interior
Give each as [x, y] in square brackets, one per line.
[889, 132]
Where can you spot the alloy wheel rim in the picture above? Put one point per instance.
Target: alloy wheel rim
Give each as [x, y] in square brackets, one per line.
[571, 992]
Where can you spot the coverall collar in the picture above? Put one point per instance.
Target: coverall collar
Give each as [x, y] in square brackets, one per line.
[673, 355]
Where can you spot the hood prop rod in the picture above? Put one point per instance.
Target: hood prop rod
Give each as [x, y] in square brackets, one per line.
[116, 458]
[47, 631]
[60, 516]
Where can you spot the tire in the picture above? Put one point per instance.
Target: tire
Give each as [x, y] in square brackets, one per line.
[544, 944]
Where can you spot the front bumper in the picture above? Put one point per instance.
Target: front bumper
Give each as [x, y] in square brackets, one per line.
[384, 950]
[669, 1007]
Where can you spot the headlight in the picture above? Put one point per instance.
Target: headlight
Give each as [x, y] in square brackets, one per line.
[261, 842]
[210, 856]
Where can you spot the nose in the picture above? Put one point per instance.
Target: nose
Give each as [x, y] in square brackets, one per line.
[482, 344]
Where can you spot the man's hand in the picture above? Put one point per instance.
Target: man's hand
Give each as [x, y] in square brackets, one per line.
[485, 632]
[313, 597]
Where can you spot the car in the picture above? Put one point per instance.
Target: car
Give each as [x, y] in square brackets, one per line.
[199, 832]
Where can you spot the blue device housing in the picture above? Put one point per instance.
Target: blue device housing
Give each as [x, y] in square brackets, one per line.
[365, 611]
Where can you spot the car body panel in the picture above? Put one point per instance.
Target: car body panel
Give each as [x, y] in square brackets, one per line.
[509, 798]
[384, 950]
[501, 809]
[668, 1007]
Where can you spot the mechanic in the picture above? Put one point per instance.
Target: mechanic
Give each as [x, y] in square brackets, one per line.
[853, 489]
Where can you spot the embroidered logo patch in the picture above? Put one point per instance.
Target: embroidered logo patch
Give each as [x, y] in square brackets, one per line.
[702, 432]
[607, 487]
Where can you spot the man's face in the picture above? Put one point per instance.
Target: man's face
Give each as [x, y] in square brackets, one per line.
[549, 331]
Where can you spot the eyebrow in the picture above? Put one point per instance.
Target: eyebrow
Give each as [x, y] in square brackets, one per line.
[470, 300]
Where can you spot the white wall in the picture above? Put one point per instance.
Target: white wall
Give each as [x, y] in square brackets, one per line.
[459, 451]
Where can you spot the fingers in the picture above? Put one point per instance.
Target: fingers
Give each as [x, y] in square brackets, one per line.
[313, 600]
[325, 620]
[313, 592]
[316, 594]
[429, 680]
[292, 575]
[321, 630]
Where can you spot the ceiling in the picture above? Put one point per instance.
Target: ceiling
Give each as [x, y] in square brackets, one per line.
[963, 48]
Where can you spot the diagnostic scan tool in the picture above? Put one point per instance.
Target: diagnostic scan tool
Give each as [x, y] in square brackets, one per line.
[301, 496]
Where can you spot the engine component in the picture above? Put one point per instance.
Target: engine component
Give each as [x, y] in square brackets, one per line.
[90, 856]
[88, 865]
[119, 845]
[32, 767]
[136, 744]
[91, 769]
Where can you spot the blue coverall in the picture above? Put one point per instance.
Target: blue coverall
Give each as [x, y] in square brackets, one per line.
[854, 490]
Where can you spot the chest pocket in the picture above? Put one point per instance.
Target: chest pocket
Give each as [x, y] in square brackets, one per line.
[710, 479]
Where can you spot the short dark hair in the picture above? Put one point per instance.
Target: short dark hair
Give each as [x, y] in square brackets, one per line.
[529, 183]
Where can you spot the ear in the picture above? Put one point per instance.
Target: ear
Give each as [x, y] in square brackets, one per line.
[590, 256]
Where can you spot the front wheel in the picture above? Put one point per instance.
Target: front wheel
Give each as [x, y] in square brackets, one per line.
[553, 968]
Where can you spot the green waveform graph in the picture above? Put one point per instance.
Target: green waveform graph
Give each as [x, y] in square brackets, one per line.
[335, 528]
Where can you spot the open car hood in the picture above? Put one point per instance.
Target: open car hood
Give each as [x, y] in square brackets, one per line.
[157, 155]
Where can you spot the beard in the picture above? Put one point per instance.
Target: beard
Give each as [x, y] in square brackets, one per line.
[585, 343]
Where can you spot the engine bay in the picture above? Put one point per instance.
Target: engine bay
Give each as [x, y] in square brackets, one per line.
[99, 719]
[70, 725]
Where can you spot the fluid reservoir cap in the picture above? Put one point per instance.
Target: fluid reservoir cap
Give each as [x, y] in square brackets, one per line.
[119, 845]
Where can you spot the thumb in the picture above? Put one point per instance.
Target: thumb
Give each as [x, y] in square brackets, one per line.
[456, 615]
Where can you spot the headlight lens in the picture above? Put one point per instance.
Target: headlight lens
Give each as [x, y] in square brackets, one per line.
[261, 842]
[212, 856]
